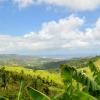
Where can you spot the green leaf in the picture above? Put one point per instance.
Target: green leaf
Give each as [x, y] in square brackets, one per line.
[92, 67]
[79, 77]
[83, 96]
[66, 74]
[36, 95]
[3, 98]
[20, 90]
[64, 96]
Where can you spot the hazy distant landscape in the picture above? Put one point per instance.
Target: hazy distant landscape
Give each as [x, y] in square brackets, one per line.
[41, 62]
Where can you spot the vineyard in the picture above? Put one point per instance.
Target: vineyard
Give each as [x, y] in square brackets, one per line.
[69, 83]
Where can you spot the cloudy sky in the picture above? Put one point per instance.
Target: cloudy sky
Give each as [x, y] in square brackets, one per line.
[50, 27]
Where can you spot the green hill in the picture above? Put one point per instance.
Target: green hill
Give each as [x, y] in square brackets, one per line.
[45, 78]
[10, 78]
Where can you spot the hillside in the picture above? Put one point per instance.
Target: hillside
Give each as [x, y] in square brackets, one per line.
[49, 82]
[10, 78]
[25, 61]
[42, 63]
[75, 62]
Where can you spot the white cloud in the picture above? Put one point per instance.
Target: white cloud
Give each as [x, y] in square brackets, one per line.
[16, 44]
[56, 34]
[23, 3]
[63, 34]
[73, 4]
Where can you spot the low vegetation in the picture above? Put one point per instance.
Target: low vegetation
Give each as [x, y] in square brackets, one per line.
[68, 83]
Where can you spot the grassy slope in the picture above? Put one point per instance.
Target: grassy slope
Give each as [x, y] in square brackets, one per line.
[55, 76]
[13, 87]
[42, 73]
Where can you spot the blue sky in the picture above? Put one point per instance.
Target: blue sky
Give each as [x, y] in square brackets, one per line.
[20, 21]
[56, 27]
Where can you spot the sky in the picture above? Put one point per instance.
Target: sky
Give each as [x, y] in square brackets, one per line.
[50, 27]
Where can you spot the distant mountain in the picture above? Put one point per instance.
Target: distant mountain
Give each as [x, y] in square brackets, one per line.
[75, 62]
[42, 62]
[26, 61]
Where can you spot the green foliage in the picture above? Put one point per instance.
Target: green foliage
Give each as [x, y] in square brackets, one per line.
[93, 68]
[3, 98]
[95, 71]
[69, 73]
[36, 95]
[40, 80]
[44, 85]
[20, 91]
[82, 96]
